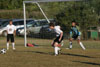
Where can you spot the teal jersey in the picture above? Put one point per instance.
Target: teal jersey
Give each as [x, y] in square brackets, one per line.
[75, 31]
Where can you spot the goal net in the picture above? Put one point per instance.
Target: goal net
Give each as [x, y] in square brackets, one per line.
[42, 12]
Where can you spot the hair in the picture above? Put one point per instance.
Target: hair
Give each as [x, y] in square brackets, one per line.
[10, 20]
[51, 24]
[75, 23]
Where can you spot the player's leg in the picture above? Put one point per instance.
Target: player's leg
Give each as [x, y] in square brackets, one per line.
[8, 37]
[56, 45]
[62, 43]
[70, 43]
[13, 42]
[56, 48]
[80, 43]
[52, 44]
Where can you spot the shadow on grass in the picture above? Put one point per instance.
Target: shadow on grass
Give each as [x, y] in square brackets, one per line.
[49, 53]
[90, 63]
[77, 55]
[39, 52]
[52, 53]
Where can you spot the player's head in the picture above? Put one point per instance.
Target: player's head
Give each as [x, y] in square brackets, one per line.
[10, 22]
[51, 25]
[73, 23]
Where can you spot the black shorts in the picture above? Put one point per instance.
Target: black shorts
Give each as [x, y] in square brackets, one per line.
[76, 37]
[10, 37]
[57, 39]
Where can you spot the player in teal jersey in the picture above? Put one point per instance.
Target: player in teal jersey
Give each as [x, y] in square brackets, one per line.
[75, 34]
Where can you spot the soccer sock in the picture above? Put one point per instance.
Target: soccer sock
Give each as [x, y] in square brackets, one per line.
[82, 46]
[70, 46]
[7, 46]
[56, 50]
[62, 43]
[13, 45]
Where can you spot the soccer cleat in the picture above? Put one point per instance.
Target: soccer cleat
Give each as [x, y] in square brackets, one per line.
[56, 54]
[14, 48]
[70, 48]
[7, 48]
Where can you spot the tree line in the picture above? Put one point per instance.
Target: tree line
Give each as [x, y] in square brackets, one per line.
[86, 13]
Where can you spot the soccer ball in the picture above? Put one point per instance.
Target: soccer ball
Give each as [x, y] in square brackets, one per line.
[3, 51]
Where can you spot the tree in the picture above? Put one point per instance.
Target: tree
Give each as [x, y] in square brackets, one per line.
[11, 4]
[79, 11]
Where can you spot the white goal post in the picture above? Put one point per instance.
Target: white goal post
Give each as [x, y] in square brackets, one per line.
[37, 3]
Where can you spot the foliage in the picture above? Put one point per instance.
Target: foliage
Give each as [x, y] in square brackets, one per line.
[11, 14]
[86, 13]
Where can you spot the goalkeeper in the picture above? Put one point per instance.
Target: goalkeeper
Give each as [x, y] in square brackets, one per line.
[75, 34]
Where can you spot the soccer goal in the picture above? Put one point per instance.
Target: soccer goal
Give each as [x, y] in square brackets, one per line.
[38, 3]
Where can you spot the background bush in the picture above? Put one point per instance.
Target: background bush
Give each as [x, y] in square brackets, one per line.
[11, 14]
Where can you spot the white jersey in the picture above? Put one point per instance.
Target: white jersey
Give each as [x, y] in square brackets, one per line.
[58, 30]
[10, 29]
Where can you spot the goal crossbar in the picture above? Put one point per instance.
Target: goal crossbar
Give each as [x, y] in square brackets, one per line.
[34, 1]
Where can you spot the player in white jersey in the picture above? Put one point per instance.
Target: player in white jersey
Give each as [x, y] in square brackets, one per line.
[11, 32]
[58, 39]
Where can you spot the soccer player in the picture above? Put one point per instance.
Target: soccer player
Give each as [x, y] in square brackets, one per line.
[75, 34]
[58, 39]
[11, 32]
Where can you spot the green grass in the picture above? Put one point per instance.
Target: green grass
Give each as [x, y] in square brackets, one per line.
[43, 56]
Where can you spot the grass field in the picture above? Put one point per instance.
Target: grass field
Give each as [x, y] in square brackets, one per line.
[43, 55]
